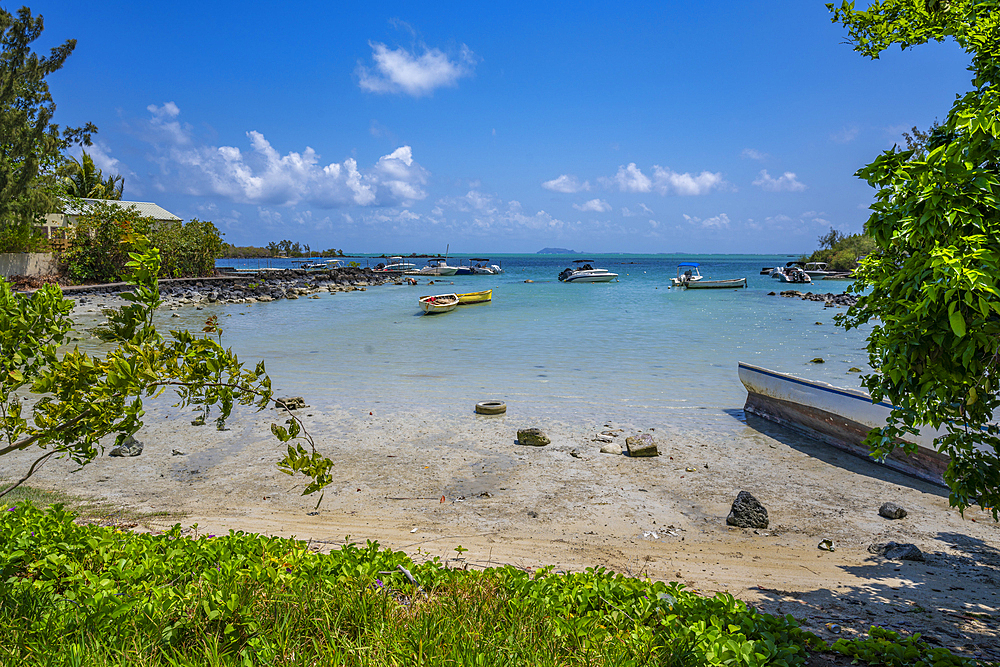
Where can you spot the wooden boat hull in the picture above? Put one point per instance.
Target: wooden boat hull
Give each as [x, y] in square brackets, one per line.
[475, 297]
[440, 303]
[716, 284]
[840, 417]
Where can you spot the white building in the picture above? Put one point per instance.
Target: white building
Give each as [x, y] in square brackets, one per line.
[57, 224]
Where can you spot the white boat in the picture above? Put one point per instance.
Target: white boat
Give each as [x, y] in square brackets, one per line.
[435, 267]
[816, 269]
[687, 272]
[396, 265]
[838, 416]
[482, 268]
[790, 274]
[731, 283]
[329, 264]
[585, 273]
[439, 303]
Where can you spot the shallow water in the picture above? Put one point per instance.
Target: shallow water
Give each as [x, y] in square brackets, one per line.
[632, 350]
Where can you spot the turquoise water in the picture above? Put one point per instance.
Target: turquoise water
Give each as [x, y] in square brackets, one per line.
[632, 349]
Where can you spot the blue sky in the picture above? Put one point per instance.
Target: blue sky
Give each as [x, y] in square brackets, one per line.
[603, 127]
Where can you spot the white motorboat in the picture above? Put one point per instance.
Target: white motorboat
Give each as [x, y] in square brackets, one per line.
[397, 265]
[586, 274]
[817, 269]
[435, 267]
[790, 274]
[482, 268]
[687, 272]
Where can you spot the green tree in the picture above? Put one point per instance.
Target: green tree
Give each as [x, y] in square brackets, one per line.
[102, 240]
[82, 399]
[932, 286]
[81, 178]
[30, 144]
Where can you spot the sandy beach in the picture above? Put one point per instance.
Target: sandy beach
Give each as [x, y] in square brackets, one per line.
[425, 484]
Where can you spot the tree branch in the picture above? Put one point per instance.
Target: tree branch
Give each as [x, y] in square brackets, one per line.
[31, 471]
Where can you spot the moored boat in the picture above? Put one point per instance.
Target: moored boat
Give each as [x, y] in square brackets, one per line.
[717, 284]
[435, 267]
[838, 416]
[790, 274]
[439, 303]
[475, 297]
[586, 274]
[396, 265]
[687, 272]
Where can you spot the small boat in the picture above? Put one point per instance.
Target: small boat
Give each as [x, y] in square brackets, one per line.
[475, 297]
[732, 283]
[435, 267]
[485, 269]
[396, 265]
[816, 269]
[440, 303]
[329, 264]
[840, 417]
[586, 274]
[687, 272]
[790, 274]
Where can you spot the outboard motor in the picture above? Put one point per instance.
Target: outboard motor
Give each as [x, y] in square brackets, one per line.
[564, 274]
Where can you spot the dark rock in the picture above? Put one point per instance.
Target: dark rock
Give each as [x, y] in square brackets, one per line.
[891, 511]
[642, 444]
[532, 437]
[131, 447]
[533, 514]
[897, 551]
[747, 512]
[291, 402]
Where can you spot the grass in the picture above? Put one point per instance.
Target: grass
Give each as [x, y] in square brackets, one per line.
[81, 594]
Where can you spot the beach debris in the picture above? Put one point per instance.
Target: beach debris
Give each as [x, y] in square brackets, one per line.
[834, 628]
[532, 437]
[533, 514]
[826, 545]
[642, 444]
[414, 530]
[897, 551]
[817, 360]
[313, 513]
[407, 574]
[290, 403]
[131, 447]
[650, 534]
[575, 454]
[611, 448]
[602, 438]
[690, 469]
[891, 511]
[747, 512]
[491, 407]
[177, 452]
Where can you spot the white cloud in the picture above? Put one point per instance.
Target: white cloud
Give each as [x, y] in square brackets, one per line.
[641, 209]
[264, 176]
[753, 154]
[670, 182]
[595, 205]
[566, 184]
[664, 181]
[402, 71]
[720, 221]
[845, 136]
[631, 179]
[164, 122]
[787, 182]
[482, 214]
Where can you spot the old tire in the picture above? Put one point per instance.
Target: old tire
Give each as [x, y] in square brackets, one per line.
[491, 407]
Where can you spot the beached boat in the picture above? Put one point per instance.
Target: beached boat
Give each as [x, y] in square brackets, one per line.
[687, 272]
[435, 267]
[838, 416]
[439, 303]
[475, 297]
[585, 273]
[731, 283]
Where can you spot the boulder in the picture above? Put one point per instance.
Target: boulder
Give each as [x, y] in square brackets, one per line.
[897, 551]
[611, 449]
[532, 437]
[891, 511]
[747, 512]
[131, 447]
[642, 444]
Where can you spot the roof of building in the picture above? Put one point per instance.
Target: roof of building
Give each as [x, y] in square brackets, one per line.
[145, 208]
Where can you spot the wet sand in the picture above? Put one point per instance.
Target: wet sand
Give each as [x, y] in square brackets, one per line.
[572, 507]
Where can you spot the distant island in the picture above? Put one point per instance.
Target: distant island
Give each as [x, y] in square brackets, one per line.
[557, 251]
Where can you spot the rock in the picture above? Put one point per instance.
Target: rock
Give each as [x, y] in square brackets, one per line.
[891, 511]
[611, 449]
[291, 402]
[131, 447]
[642, 444]
[576, 454]
[817, 360]
[747, 512]
[532, 437]
[853, 369]
[603, 438]
[897, 551]
[177, 452]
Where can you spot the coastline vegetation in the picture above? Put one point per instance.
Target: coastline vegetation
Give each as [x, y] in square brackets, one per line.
[100, 596]
[840, 251]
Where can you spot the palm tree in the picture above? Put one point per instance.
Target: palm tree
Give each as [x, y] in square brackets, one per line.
[82, 178]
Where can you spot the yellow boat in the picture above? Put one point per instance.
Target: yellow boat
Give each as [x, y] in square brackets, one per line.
[475, 297]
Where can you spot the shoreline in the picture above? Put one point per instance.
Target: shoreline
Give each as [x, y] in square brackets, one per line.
[570, 506]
